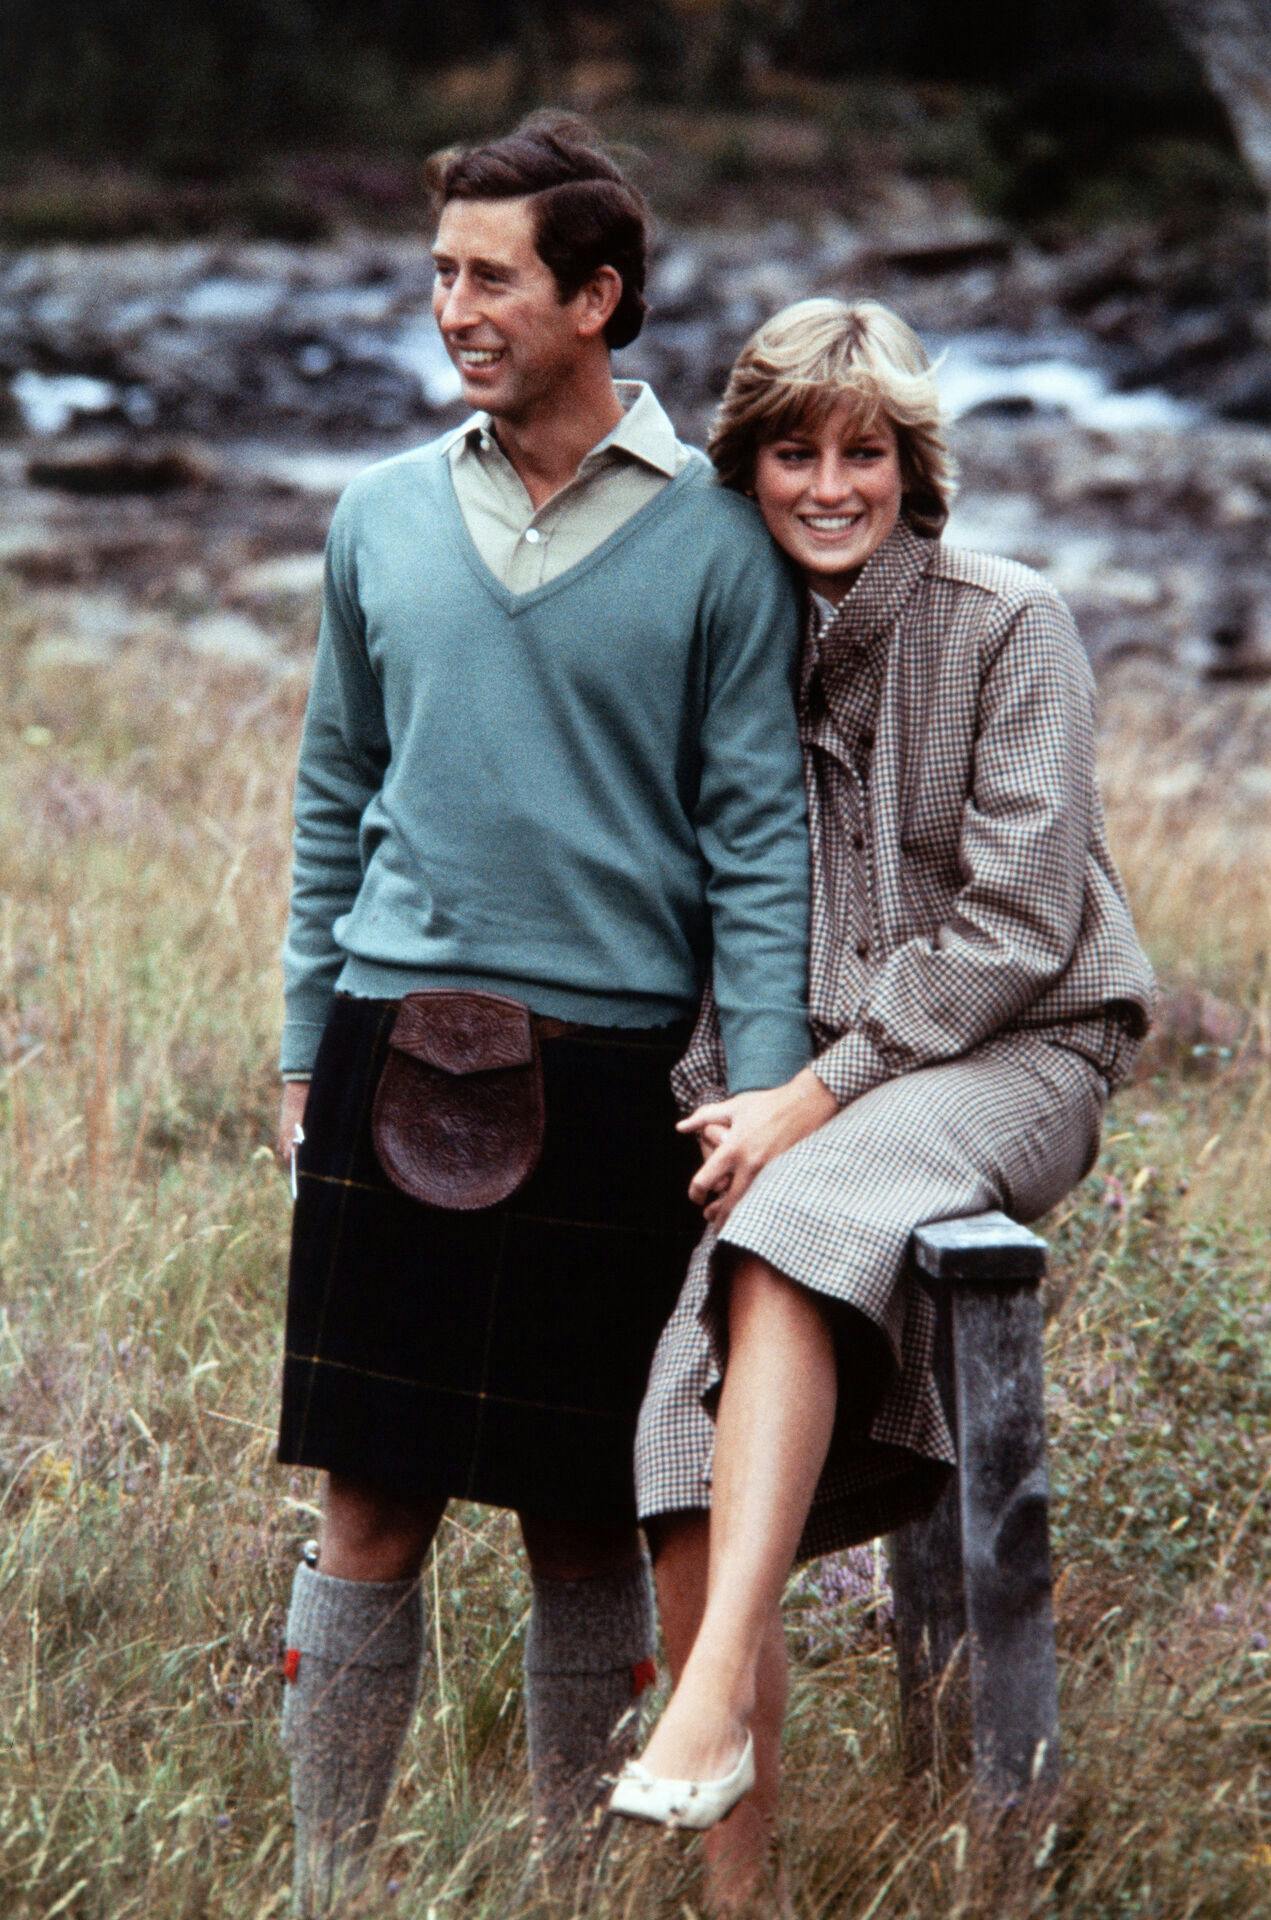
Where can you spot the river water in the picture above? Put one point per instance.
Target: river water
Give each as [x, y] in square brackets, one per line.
[1111, 428]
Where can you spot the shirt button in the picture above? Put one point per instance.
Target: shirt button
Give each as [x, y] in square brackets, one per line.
[533, 535]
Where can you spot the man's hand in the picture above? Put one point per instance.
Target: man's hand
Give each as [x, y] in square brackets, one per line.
[757, 1127]
[295, 1096]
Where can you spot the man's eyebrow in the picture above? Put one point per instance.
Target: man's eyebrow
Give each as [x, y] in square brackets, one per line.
[478, 264]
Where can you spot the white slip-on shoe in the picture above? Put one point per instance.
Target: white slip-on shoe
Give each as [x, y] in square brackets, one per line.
[699, 1804]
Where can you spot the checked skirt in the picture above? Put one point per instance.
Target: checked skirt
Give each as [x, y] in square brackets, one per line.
[1014, 1125]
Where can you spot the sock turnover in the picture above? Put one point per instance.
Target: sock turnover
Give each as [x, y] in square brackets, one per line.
[351, 1666]
[588, 1657]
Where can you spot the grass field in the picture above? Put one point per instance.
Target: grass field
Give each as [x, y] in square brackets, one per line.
[148, 1539]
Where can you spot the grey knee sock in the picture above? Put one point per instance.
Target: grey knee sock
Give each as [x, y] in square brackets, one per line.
[588, 1657]
[351, 1667]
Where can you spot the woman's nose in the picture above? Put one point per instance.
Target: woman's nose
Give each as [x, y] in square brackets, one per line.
[831, 482]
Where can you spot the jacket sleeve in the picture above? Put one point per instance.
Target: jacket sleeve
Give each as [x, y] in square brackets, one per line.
[701, 1073]
[343, 753]
[1014, 922]
[751, 818]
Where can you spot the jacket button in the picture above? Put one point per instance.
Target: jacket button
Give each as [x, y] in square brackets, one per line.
[862, 949]
[858, 841]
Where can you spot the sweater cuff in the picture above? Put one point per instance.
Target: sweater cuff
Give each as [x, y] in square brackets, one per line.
[764, 1049]
[299, 1047]
[850, 1066]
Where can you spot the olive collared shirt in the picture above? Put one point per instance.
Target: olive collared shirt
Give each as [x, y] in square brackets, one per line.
[524, 547]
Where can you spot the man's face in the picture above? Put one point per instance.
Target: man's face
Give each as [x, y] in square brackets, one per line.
[516, 344]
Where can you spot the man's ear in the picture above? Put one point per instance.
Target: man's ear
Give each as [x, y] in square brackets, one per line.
[597, 298]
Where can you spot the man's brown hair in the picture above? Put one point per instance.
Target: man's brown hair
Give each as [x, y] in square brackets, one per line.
[586, 214]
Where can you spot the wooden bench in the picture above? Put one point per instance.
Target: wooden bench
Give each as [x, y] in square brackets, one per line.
[971, 1582]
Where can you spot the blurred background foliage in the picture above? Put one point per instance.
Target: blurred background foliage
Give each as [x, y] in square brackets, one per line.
[188, 115]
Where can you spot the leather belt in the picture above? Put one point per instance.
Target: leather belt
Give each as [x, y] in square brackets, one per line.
[549, 1028]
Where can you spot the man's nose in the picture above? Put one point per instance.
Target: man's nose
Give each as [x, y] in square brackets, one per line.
[453, 305]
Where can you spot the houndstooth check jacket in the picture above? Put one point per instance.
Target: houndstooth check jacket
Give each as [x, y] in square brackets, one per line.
[966, 916]
[947, 716]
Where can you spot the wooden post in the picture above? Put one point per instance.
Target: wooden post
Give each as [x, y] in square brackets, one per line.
[925, 1564]
[986, 1272]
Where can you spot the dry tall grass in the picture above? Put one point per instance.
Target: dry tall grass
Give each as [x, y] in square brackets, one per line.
[148, 1539]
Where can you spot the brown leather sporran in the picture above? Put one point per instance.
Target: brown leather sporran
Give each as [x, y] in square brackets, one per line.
[458, 1115]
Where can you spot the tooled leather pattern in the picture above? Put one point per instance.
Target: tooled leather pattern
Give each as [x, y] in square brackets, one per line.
[463, 1032]
[454, 1139]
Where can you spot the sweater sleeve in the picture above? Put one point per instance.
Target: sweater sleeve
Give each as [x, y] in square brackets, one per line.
[1014, 923]
[343, 754]
[751, 820]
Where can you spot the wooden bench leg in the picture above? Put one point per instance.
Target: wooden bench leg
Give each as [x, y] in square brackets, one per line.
[1004, 1499]
[980, 1562]
[925, 1564]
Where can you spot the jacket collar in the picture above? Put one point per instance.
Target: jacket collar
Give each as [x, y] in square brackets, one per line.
[880, 593]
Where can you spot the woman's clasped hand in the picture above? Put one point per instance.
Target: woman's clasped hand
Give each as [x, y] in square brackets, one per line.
[741, 1134]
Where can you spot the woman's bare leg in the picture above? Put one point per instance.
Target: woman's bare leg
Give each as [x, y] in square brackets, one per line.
[740, 1852]
[776, 1416]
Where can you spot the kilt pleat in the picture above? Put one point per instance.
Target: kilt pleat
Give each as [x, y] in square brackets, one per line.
[1015, 1125]
[501, 1355]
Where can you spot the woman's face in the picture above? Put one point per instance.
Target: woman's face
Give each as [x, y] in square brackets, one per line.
[830, 495]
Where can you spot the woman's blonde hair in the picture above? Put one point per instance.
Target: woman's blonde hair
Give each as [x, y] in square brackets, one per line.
[809, 358]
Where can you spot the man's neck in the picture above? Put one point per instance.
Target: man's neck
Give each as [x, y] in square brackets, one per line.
[547, 448]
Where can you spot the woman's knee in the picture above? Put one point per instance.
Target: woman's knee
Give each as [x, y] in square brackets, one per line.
[758, 1290]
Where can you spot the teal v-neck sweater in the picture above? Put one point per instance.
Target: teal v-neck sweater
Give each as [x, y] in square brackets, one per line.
[587, 796]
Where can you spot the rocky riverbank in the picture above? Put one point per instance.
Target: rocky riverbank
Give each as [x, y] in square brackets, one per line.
[177, 420]
[217, 339]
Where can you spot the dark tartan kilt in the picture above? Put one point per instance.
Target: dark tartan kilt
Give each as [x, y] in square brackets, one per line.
[502, 1355]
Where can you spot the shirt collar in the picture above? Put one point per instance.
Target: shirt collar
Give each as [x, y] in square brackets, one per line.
[474, 431]
[644, 432]
[822, 609]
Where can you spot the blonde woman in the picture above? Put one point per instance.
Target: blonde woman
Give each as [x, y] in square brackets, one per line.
[976, 990]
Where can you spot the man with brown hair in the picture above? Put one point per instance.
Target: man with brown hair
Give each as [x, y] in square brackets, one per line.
[550, 756]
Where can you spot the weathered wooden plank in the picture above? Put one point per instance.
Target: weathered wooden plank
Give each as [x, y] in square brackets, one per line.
[925, 1563]
[1004, 1512]
[985, 1249]
[979, 1566]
